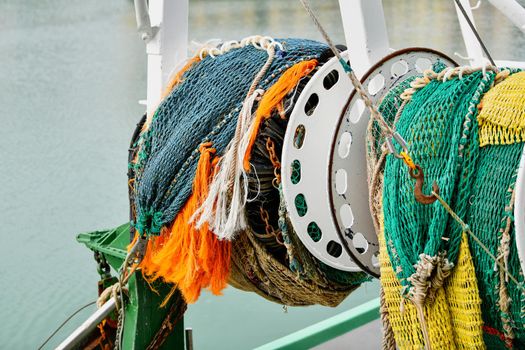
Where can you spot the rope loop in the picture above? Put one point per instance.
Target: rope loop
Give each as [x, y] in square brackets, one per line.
[260, 42]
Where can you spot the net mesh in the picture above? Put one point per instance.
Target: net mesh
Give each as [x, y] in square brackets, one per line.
[496, 174]
[204, 107]
[502, 119]
[267, 258]
[439, 125]
[442, 139]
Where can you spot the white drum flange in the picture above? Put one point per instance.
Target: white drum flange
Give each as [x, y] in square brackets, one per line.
[347, 174]
[313, 196]
[307, 145]
[519, 212]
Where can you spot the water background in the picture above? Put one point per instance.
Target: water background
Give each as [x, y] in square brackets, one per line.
[71, 73]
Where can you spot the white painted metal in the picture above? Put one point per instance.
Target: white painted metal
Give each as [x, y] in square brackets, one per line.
[365, 32]
[313, 156]
[519, 212]
[348, 158]
[510, 64]
[79, 334]
[168, 47]
[513, 10]
[474, 50]
[143, 22]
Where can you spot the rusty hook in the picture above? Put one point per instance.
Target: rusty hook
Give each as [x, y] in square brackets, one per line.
[417, 174]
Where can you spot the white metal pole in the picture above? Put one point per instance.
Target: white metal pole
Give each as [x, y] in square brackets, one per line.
[513, 10]
[365, 32]
[519, 212]
[79, 334]
[474, 50]
[168, 47]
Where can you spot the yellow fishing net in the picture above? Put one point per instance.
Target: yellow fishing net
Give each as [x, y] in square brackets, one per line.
[453, 320]
[502, 119]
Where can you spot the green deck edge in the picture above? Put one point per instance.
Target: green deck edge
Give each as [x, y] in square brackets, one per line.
[144, 316]
[328, 329]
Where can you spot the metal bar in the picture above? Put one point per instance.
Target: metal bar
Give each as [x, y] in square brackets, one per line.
[512, 10]
[189, 338]
[519, 211]
[79, 334]
[365, 32]
[327, 329]
[510, 64]
[474, 49]
[143, 21]
[473, 28]
[168, 48]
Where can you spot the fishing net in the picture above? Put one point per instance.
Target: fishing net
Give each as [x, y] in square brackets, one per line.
[442, 133]
[442, 137]
[502, 119]
[178, 156]
[204, 108]
[490, 200]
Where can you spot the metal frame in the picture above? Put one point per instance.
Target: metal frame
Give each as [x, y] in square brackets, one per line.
[164, 27]
[509, 8]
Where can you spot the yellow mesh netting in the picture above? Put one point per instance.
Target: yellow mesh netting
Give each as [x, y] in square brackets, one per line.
[502, 118]
[453, 319]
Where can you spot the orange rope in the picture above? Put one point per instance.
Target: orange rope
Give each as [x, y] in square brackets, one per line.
[178, 78]
[189, 257]
[273, 98]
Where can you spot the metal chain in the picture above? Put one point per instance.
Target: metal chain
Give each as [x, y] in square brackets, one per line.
[270, 146]
[103, 268]
[270, 231]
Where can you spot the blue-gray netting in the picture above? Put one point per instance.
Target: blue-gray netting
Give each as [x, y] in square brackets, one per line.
[204, 107]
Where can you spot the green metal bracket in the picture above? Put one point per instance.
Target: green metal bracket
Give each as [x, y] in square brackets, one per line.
[144, 316]
[328, 329]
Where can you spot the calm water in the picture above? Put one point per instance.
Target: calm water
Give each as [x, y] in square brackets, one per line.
[71, 73]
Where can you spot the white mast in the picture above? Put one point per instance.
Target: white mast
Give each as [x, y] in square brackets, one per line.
[164, 28]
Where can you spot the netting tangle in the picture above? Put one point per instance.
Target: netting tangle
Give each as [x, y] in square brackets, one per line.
[427, 258]
[191, 152]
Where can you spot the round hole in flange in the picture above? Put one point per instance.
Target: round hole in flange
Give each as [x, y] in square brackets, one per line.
[376, 84]
[360, 243]
[295, 173]
[375, 260]
[356, 112]
[300, 205]
[311, 104]
[331, 79]
[422, 64]
[399, 68]
[314, 231]
[341, 181]
[345, 141]
[347, 217]
[334, 249]
[298, 138]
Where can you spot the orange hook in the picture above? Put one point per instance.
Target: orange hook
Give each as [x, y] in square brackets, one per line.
[419, 176]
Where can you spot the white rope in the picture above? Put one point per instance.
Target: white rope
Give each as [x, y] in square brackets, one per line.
[224, 208]
[260, 42]
[450, 73]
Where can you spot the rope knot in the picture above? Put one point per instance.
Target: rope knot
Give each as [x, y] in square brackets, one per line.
[430, 275]
[149, 222]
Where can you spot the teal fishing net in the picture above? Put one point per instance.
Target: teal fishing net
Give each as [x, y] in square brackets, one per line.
[204, 107]
[439, 126]
[488, 202]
